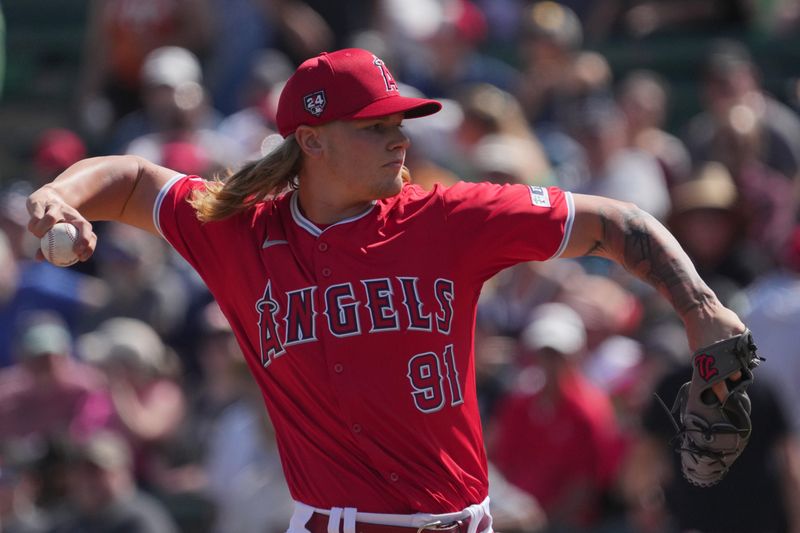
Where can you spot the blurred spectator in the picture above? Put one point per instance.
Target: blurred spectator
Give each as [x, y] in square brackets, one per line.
[27, 285]
[639, 19]
[730, 80]
[607, 309]
[56, 150]
[177, 474]
[188, 149]
[341, 20]
[145, 286]
[48, 393]
[502, 21]
[176, 126]
[555, 74]
[19, 512]
[402, 28]
[597, 18]
[165, 71]
[554, 69]
[149, 403]
[660, 499]
[613, 365]
[642, 98]
[490, 110]
[767, 203]
[427, 173]
[300, 28]
[256, 119]
[614, 170]
[219, 382]
[13, 221]
[555, 435]
[243, 466]
[779, 18]
[513, 509]
[510, 159]
[229, 60]
[774, 317]
[497, 138]
[119, 35]
[663, 341]
[224, 456]
[180, 471]
[453, 57]
[509, 297]
[434, 155]
[707, 223]
[103, 493]
[550, 34]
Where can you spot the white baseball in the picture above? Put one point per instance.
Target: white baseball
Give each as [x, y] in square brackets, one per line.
[57, 244]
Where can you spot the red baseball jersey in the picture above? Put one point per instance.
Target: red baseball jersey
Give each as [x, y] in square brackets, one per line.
[360, 334]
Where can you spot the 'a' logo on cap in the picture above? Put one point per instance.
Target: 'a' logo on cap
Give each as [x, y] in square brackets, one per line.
[391, 85]
[315, 103]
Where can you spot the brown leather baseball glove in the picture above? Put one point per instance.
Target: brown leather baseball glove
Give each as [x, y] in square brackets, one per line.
[711, 433]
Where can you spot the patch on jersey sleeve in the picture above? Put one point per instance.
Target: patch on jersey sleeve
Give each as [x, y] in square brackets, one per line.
[539, 196]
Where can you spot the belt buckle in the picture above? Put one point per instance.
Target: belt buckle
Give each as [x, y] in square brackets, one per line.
[439, 526]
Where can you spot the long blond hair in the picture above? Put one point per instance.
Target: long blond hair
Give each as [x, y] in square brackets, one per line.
[255, 181]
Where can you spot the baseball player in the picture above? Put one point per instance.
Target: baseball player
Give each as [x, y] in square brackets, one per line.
[353, 293]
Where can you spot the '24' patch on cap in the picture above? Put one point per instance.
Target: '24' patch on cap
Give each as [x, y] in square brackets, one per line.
[315, 103]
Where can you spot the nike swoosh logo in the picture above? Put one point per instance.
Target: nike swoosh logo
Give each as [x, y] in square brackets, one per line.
[268, 243]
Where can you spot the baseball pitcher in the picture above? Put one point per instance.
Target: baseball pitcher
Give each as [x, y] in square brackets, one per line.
[353, 293]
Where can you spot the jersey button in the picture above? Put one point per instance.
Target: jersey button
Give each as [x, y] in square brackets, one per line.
[356, 428]
[394, 477]
[322, 247]
[326, 272]
[338, 368]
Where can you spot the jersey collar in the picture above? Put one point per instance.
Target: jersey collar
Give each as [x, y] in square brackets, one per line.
[310, 227]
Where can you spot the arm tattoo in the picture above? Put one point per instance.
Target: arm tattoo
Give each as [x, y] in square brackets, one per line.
[645, 248]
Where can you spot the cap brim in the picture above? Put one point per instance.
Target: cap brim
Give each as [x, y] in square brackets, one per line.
[410, 107]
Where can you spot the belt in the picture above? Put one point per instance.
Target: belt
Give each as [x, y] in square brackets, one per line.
[318, 523]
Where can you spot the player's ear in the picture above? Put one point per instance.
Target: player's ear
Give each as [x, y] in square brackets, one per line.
[308, 138]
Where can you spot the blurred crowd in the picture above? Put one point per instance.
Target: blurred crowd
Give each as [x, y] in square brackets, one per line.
[125, 405]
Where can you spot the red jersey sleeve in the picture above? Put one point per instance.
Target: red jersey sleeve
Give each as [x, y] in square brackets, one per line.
[494, 226]
[208, 247]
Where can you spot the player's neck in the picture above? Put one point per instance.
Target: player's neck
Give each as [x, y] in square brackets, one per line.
[323, 208]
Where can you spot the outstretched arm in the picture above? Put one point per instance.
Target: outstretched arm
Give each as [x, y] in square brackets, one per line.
[645, 248]
[120, 188]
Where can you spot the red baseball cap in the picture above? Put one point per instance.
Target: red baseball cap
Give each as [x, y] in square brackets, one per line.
[347, 84]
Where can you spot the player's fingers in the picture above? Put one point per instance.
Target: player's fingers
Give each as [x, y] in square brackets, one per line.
[39, 255]
[86, 239]
[721, 391]
[36, 210]
[86, 252]
[50, 215]
[721, 388]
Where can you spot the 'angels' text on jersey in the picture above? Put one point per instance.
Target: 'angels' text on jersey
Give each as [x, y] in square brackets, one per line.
[293, 320]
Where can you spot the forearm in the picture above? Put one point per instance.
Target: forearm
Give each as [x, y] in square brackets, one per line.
[99, 188]
[119, 188]
[644, 247]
